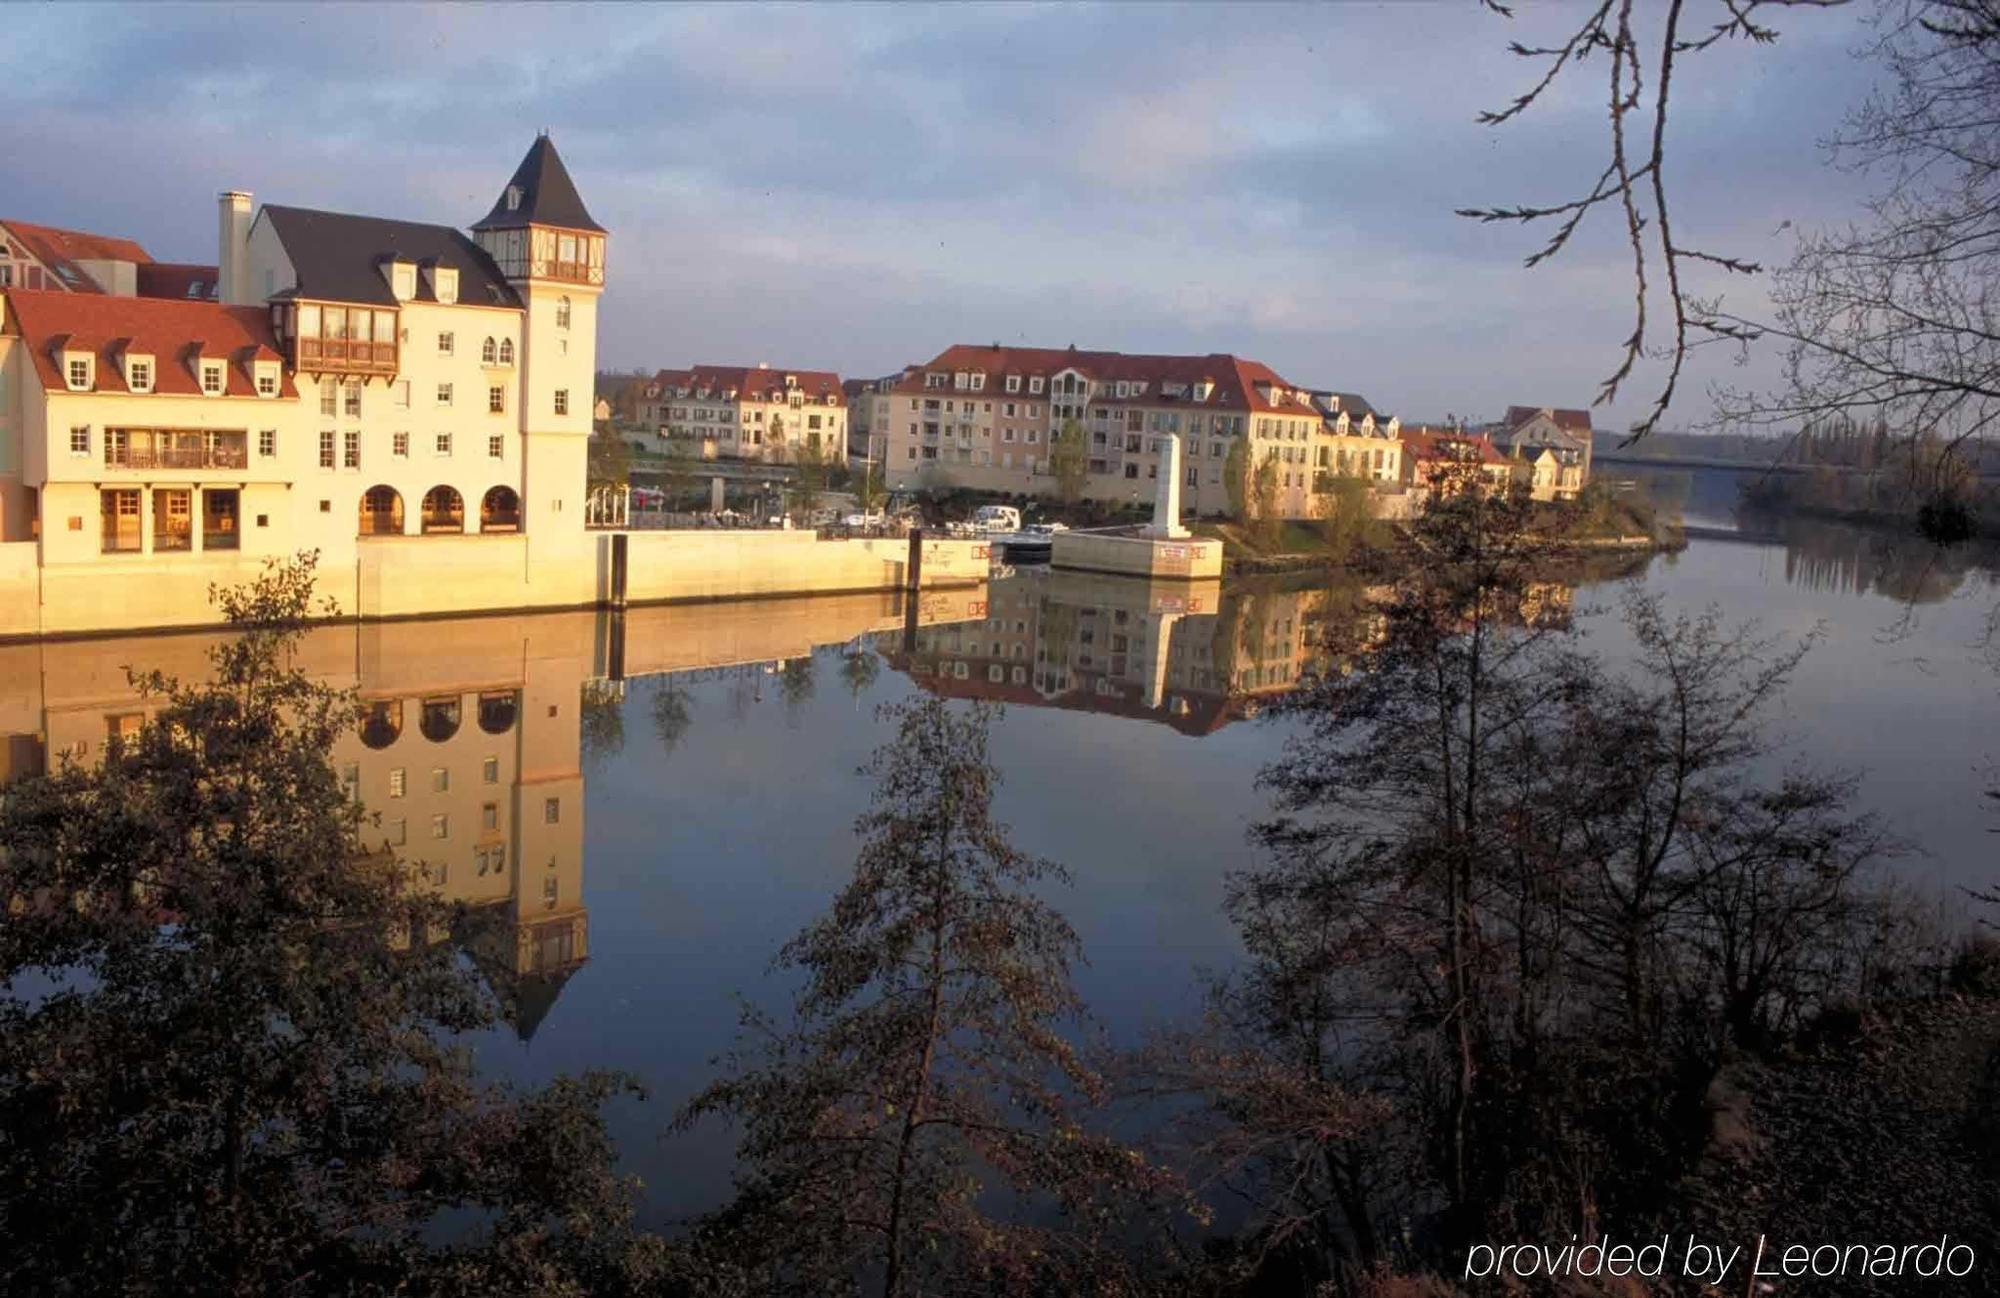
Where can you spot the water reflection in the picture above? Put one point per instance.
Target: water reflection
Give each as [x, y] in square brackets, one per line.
[491, 812]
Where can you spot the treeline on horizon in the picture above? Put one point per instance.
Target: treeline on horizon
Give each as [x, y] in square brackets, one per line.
[1532, 948]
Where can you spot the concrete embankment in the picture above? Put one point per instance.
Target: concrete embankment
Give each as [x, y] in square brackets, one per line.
[425, 576]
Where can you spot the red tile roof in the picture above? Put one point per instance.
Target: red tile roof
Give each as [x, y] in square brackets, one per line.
[1236, 381]
[1420, 443]
[178, 279]
[752, 382]
[173, 333]
[1570, 421]
[59, 250]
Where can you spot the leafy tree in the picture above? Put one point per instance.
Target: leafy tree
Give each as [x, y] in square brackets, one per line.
[610, 461]
[796, 685]
[809, 478]
[1236, 478]
[926, 1054]
[774, 440]
[1068, 462]
[1267, 519]
[1347, 508]
[225, 1064]
[859, 670]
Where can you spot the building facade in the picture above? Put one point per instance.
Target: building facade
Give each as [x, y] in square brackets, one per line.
[359, 380]
[988, 418]
[1550, 446]
[746, 412]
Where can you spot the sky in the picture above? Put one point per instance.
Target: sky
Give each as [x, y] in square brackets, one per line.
[855, 187]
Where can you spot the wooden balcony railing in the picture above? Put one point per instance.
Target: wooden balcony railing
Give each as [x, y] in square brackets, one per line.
[572, 272]
[226, 455]
[345, 355]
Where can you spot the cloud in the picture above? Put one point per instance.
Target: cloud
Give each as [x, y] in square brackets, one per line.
[857, 186]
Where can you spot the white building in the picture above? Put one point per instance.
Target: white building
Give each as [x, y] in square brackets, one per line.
[360, 380]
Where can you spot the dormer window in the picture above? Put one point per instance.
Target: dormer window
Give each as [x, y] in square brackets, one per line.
[1035, 384]
[513, 198]
[79, 371]
[403, 280]
[267, 378]
[1013, 383]
[139, 373]
[447, 285]
[211, 378]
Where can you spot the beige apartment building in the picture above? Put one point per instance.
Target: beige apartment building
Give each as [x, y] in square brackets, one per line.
[364, 387]
[746, 412]
[986, 417]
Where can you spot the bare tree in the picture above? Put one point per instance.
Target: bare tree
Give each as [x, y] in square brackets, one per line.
[1639, 63]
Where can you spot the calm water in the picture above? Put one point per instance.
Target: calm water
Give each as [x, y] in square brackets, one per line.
[706, 841]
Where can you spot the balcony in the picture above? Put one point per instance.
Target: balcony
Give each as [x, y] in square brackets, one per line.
[344, 356]
[569, 272]
[149, 449]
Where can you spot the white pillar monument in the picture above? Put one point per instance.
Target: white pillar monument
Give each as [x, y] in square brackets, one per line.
[1167, 491]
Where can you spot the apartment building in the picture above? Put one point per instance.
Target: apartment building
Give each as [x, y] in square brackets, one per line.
[359, 379]
[1358, 441]
[1552, 447]
[747, 412]
[987, 417]
[76, 261]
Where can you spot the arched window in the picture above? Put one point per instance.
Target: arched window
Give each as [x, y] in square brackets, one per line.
[489, 352]
[506, 351]
[440, 718]
[444, 510]
[497, 712]
[382, 723]
[381, 512]
[500, 511]
[562, 313]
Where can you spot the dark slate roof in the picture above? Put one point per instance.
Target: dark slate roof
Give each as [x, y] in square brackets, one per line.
[548, 196]
[339, 257]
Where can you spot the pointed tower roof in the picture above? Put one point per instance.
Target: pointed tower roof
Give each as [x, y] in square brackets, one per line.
[541, 193]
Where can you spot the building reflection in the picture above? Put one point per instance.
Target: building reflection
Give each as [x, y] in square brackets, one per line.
[467, 757]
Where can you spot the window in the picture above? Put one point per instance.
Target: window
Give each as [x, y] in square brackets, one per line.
[446, 284]
[397, 831]
[444, 394]
[399, 782]
[120, 509]
[79, 440]
[79, 373]
[399, 445]
[552, 811]
[496, 447]
[267, 381]
[440, 779]
[351, 401]
[267, 442]
[488, 352]
[399, 396]
[326, 448]
[403, 281]
[489, 770]
[440, 826]
[496, 401]
[1034, 385]
[446, 342]
[444, 443]
[211, 378]
[329, 397]
[1013, 385]
[506, 351]
[562, 313]
[489, 815]
[140, 375]
[350, 449]
[562, 401]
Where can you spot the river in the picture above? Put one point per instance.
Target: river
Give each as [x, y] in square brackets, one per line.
[642, 846]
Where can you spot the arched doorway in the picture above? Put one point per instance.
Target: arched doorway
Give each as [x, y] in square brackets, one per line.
[382, 512]
[500, 511]
[444, 510]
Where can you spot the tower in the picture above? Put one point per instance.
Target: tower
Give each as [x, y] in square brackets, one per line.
[542, 237]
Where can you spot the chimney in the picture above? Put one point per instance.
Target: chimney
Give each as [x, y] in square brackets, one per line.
[232, 254]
